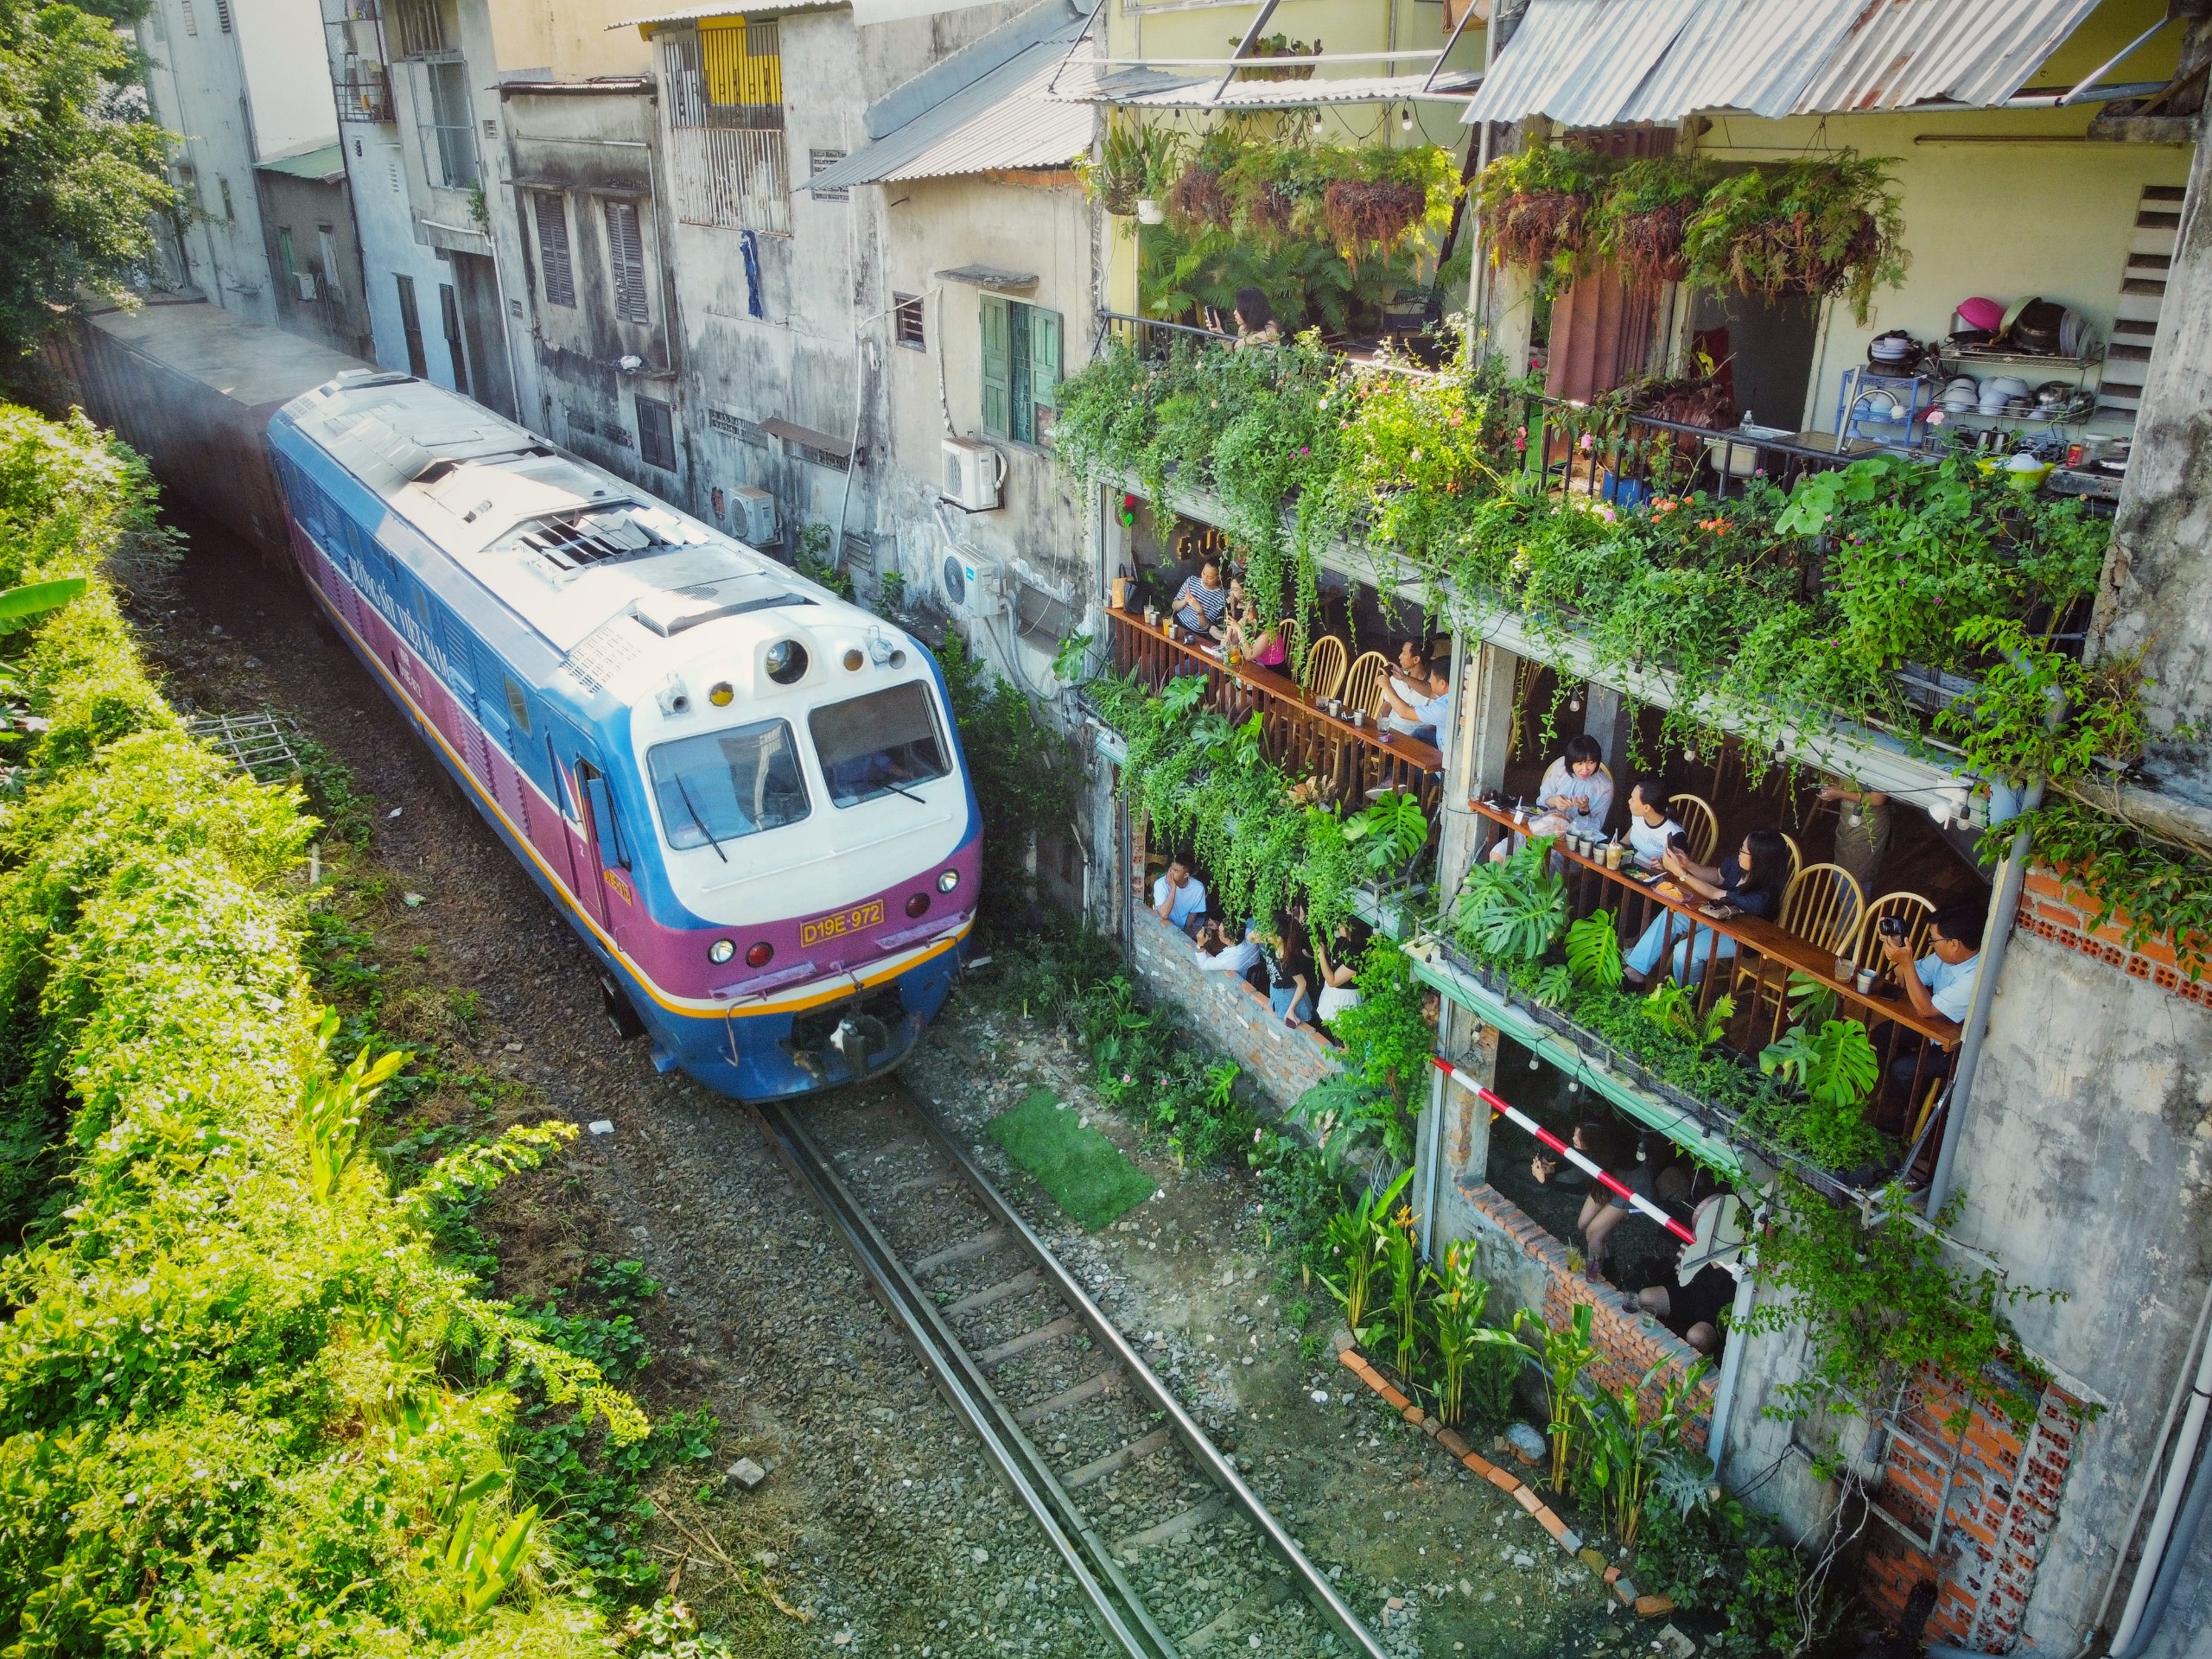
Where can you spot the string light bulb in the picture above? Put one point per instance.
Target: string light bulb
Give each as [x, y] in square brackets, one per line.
[1317, 123]
[1406, 119]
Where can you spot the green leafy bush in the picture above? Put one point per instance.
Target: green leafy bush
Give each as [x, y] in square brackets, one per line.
[233, 1415]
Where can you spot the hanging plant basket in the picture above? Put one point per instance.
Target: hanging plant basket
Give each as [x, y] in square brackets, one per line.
[1640, 224]
[1150, 211]
[1198, 199]
[1269, 209]
[1812, 230]
[1537, 228]
[1648, 246]
[1537, 206]
[1362, 213]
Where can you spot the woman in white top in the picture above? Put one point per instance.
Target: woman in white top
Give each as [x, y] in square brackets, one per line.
[1575, 797]
[1339, 989]
[1650, 826]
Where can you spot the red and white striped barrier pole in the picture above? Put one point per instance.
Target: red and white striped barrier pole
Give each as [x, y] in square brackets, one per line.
[1643, 1206]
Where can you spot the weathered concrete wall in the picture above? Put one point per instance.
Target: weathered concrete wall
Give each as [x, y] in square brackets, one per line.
[2157, 596]
[2085, 1159]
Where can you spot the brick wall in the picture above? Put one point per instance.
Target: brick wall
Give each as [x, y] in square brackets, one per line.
[1998, 1505]
[1626, 1350]
[1283, 1062]
[2053, 908]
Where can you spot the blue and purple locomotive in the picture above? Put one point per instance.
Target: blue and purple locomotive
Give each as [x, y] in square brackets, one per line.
[744, 794]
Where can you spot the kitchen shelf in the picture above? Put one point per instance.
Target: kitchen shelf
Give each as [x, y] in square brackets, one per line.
[1983, 355]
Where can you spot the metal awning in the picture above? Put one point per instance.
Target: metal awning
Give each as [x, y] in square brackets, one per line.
[1171, 89]
[991, 277]
[1002, 121]
[694, 14]
[1595, 63]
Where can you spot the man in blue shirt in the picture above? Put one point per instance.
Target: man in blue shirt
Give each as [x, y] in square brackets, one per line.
[1179, 898]
[1940, 986]
[1418, 704]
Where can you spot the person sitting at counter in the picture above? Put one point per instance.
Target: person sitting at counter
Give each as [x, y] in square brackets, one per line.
[1417, 703]
[1750, 884]
[1201, 602]
[1261, 644]
[1574, 797]
[1651, 828]
[1940, 986]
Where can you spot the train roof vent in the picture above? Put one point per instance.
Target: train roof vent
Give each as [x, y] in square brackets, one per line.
[604, 653]
[667, 614]
[623, 531]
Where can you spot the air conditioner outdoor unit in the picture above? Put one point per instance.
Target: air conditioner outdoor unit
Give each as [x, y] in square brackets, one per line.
[305, 280]
[974, 586]
[753, 515]
[973, 474]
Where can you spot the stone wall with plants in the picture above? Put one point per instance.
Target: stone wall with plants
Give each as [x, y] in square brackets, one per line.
[246, 1403]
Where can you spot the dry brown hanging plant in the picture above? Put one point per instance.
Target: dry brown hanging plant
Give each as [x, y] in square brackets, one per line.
[1362, 213]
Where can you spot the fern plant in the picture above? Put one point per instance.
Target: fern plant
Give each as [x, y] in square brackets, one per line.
[1673, 1008]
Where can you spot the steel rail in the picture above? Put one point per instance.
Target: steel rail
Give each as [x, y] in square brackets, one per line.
[1120, 1611]
[1316, 1584]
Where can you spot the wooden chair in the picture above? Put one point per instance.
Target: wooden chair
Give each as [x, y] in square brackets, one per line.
[1918, 915]
[1325, 668]
[1363, 685]
[1796, 854]
[1823, 906]
[1698, 824]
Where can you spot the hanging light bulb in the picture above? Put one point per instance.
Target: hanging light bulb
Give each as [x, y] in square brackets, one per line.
[1574, 1088]
[1317, 123]
[1406, 119]
[1534, 1064]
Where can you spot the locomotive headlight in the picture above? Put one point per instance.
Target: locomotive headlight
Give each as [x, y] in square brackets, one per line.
[760, 956]
[786, 662]
[948, 881]
[720, 951]
[720, 693]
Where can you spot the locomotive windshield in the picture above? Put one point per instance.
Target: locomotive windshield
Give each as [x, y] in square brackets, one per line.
[722, 786]
[878, 743]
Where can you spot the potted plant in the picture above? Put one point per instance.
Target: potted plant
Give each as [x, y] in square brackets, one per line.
[1815, 228]
[1536, 208]
[1639, 223]
[1199, 196]
[1132, 170]
[1279, 45]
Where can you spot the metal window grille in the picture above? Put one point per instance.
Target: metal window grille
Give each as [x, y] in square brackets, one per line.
[626, 259]
[744, 72]
[656, 434]
[819, 162]
[191, 22]
[555, 265]
[418, 26]
[453, 134]
[580, 420]
[906, 322]
[223, 14]
[729, 159]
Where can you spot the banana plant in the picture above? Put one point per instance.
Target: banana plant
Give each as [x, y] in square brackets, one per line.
[1561, 1357]
[1630, 1452]
[1456, 1322]
[1408, 1272]
[21, 606]
[1355, 1236]
[333, 1110]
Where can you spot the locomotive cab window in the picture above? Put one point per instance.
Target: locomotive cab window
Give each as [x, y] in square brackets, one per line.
[878, 744]
[723, 786]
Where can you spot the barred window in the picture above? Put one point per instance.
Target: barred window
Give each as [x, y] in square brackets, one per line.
[723, 87]
[626, 260]
[906, 322]
[656, 434]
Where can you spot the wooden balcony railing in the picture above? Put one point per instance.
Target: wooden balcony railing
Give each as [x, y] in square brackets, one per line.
[1305, 740]
[1752, 960]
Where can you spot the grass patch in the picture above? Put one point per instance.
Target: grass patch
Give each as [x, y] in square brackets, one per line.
[1085, 1172]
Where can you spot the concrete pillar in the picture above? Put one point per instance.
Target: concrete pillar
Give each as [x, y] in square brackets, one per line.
[1474, 753]
[2156, 597]
[1604, 716]
[1451, 1143]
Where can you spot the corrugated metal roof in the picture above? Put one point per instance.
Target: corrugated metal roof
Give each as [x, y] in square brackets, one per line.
[1453, 87]
[1596, 63]
[326, 164]
[1001, 120]
[692, 14]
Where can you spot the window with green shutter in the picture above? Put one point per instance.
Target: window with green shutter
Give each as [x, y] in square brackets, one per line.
[1021, 368]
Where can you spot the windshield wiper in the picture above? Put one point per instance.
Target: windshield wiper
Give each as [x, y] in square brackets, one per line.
[699, 821]
[902, 789]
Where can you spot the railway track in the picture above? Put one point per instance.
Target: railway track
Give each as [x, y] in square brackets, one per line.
[1118, 1477]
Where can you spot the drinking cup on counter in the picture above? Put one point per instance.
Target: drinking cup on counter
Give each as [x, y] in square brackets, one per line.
[1866, 980]
[1613, 850]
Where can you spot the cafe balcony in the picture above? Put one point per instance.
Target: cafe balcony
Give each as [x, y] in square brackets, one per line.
[1324, 729]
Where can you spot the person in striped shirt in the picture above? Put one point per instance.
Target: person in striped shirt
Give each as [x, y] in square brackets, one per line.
[1201, 600]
